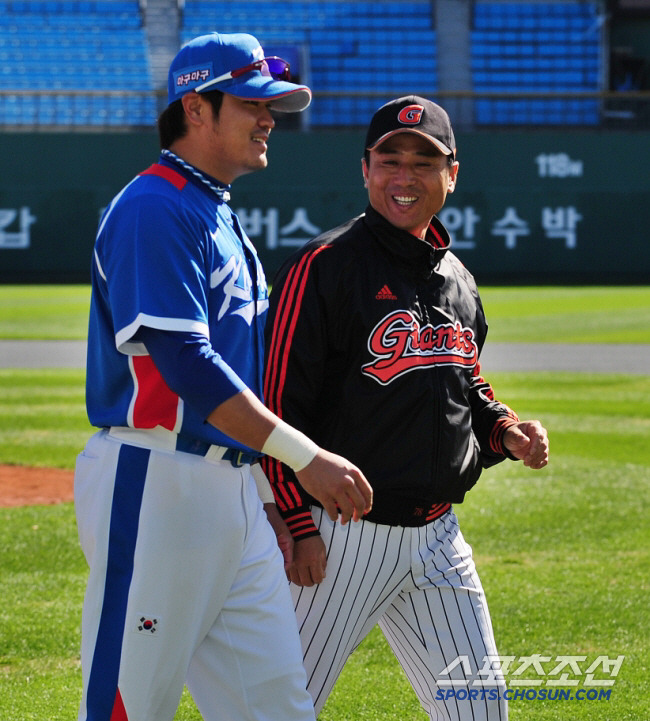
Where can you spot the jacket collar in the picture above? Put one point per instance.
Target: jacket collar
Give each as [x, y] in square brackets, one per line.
[421, 255]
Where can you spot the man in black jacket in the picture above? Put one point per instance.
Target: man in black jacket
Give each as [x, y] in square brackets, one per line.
[373, 344]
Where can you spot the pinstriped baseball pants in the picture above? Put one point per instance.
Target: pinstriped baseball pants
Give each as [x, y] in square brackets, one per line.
[421, 586]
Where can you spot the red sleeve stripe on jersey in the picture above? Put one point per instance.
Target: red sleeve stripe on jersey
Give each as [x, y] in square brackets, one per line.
[154, 403]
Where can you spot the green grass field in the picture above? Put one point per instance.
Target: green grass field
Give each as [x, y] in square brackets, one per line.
[564, 553]
[44, 311]
[561, 314]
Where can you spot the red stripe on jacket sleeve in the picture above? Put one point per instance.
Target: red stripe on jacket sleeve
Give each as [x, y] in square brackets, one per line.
[286, 314]
[496, 437]
[488, 391]
[509, 417]
[286, 490]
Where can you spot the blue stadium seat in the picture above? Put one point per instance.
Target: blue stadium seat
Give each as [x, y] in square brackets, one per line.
[360, 44]
[536, 48]
[72, 45]
[87, 46]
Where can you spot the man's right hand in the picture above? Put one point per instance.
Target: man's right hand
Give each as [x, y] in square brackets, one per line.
[338, 485]
[309, 561]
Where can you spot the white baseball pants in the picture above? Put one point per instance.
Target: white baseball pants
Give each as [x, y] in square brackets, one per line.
[421, 586]
[186, 585]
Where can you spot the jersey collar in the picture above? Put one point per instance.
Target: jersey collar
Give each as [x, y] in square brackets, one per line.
[221, 190]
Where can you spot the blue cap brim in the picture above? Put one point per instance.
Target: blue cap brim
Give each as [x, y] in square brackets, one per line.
[285, 97]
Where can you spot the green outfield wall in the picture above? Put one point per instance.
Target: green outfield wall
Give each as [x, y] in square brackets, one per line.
[530, 207]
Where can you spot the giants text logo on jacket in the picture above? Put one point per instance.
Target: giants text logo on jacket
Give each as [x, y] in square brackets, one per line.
[400, 345]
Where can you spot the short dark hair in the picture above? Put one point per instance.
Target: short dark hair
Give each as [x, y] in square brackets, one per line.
[171, 122]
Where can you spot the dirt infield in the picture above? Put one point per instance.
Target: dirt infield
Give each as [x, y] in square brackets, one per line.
[26, 486]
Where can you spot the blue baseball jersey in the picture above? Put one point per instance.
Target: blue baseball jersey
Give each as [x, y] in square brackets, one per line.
[170, 254]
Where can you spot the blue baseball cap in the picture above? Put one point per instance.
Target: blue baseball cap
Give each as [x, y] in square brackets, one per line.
[234, 64]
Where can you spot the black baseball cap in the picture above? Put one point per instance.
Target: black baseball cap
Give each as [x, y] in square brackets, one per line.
[412, 114]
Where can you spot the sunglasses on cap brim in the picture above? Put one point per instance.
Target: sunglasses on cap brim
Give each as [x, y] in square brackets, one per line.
[273, 67]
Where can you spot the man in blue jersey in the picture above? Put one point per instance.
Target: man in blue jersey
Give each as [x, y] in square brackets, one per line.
[186, 581]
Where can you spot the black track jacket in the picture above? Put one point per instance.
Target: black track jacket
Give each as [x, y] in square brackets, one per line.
[372, 345]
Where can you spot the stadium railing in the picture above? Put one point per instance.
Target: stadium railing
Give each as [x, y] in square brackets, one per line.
[89, 110]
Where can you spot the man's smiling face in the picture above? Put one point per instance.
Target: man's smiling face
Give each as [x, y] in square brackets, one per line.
[408, 179]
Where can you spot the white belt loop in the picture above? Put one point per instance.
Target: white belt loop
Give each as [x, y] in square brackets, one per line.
[215, 453]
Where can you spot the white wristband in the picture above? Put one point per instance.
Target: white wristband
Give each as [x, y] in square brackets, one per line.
[290, 446]
[262, 482]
